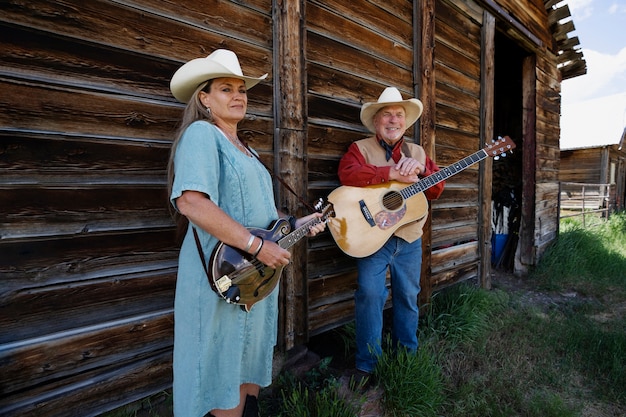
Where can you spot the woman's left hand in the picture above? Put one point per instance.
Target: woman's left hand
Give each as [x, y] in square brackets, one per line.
[319, 227]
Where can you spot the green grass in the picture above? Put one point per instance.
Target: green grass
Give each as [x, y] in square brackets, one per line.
[590, 260]
[556, 351]
[412, 383]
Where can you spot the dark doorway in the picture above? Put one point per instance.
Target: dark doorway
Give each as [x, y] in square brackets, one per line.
[507, 185]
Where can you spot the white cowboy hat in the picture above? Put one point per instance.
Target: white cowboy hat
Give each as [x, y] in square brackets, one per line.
[221, 63]
[389, 97]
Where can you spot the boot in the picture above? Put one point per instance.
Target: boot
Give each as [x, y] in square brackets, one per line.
[251, 409]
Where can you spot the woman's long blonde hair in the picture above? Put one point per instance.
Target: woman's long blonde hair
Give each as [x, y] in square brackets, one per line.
[193, 112]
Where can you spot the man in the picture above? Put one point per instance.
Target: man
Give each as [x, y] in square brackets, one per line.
[381, 158]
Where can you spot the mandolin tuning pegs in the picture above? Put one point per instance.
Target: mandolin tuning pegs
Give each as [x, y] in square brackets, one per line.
[318, 205]
[496, 157]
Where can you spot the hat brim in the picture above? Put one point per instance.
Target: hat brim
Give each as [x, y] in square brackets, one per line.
[187, 78]
[413, 108]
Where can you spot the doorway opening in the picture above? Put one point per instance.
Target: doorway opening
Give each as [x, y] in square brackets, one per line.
[508, 181]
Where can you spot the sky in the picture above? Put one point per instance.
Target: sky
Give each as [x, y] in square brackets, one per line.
[593, 106]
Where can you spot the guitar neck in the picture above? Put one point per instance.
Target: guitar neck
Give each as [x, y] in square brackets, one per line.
[442, 175]
[293, 237]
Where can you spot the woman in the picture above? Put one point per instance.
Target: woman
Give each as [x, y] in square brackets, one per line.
[222, 354]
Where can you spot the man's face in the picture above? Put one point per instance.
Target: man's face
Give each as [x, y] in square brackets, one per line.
[390, 123]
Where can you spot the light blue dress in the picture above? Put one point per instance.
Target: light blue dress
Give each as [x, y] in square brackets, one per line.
[218, 346]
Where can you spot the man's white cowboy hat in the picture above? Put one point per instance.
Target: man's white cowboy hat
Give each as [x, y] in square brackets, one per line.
[389, 97]
[221, 63]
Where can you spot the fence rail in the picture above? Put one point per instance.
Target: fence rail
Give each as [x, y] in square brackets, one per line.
[582, 199]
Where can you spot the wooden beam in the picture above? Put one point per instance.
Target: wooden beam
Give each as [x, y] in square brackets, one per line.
[487, 101]
[529, 164]
[513, 22]
[426, 54]
[289, 156]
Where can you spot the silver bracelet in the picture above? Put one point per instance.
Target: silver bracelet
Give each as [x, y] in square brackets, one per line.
[249, 245]
[259, 248]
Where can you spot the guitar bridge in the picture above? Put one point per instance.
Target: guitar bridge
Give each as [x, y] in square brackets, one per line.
[367, 214]
[223, 284]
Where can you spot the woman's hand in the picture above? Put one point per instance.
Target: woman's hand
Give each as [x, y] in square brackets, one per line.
[318, 228]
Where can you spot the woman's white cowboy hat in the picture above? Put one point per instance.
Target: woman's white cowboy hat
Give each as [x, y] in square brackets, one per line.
[221, 63]
[391, 96]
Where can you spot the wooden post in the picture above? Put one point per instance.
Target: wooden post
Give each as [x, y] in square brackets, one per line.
[290, 128]
[529, 134]
[487, 100]
[426, 58]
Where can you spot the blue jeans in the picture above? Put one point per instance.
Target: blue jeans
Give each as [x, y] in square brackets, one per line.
[404, 261]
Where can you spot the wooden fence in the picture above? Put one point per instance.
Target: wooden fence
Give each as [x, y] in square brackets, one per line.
[582, 199]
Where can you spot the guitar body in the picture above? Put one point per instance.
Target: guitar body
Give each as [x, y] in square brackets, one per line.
[236, 273]
[366, 217]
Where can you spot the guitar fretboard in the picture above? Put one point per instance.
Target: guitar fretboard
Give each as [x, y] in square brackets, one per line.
[293, 237]
[445, 173]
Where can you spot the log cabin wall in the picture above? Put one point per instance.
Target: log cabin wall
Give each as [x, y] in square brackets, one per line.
[87, 251]
[351, 58]
[597, 165]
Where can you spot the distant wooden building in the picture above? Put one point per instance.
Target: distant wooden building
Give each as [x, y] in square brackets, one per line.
[87, 253]
[600, 163]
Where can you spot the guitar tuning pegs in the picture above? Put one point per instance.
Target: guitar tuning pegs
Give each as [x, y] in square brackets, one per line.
[496, 157]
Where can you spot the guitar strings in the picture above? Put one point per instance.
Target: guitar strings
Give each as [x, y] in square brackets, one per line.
[257, 265]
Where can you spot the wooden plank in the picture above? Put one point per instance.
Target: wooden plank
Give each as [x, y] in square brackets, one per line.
[338, 56]
[460, 273]
[325, 21]
[487, 99]
[290, 162]
[82, 301]
[107, 390]
[145, 33]
[391, 19]
[529, 169]
[450, 258]
[30, 362]
[32, 55]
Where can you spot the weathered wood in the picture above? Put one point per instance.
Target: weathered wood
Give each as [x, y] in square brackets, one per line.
[290, 130]
[427, 81]
[86, 236]
[487, 100]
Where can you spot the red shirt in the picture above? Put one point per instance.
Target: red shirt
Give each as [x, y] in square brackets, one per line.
[355, 171]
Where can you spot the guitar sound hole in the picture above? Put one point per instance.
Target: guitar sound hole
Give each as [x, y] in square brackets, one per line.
[392, 200]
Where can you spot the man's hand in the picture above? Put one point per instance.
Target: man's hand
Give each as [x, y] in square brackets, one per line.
[406, 170]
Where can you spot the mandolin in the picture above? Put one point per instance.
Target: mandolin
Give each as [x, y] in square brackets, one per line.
[366, 217]
[239, 278]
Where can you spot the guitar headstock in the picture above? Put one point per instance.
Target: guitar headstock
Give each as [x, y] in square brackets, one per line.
[500, 147]
[327, 210]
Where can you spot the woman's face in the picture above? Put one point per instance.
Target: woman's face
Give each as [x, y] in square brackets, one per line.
[227, 99]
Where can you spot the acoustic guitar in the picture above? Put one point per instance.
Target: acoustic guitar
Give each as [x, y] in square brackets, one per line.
[239, 278]
[366, 217]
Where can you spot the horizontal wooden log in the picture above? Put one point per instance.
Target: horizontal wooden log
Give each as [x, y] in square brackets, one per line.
[336, 56]
[328, 21]
[451, 237]
[139, 31]
[26, 306]
[449, 277]
[81, 253]
[393, 19]
[53, 357]
[329, 289]
[106, 390]
[451, 258]
[32, 55]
